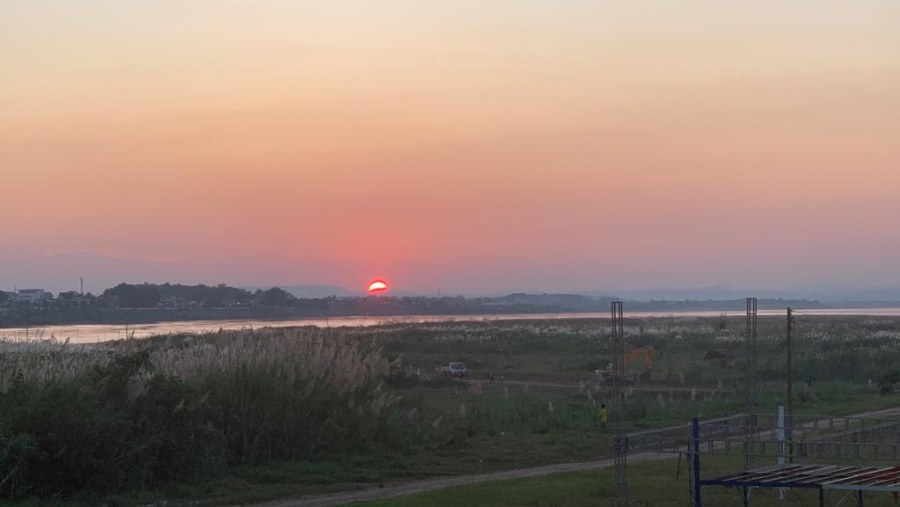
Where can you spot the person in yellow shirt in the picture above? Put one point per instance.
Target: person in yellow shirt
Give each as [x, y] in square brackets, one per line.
[604, 417]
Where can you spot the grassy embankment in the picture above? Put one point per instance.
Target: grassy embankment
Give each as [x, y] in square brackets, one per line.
[238, 417]
[650, 484]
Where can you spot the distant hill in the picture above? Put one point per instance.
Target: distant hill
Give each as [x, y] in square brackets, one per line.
[136, 303]
[886, 295]
[549, 302]
[316, 291]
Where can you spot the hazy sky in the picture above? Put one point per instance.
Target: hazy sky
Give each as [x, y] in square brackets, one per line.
[470, 146]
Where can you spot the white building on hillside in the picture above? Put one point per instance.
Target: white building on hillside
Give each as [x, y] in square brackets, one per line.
[33, 296]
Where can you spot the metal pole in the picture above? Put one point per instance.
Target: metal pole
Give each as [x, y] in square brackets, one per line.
[790, 387]
[780, 436]
[695, 448]
[620, 443]
[751, 375]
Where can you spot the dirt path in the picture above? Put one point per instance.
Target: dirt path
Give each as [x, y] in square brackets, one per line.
[641, 388]
[434, 484]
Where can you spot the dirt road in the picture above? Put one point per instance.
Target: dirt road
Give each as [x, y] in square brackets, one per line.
[641, 388]
[434, 484]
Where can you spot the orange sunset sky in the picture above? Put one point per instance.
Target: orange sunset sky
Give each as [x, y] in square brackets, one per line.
[474, 146]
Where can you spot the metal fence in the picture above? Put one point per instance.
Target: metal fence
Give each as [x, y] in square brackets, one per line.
[831, 438]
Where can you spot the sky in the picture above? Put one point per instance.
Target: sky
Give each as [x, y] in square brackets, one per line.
[467, 146]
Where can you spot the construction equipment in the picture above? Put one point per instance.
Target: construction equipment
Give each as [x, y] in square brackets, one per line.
[644, 353]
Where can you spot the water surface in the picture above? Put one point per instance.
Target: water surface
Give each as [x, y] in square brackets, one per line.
[94, 333]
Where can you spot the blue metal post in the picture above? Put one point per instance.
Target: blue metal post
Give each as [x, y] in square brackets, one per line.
[695, 444]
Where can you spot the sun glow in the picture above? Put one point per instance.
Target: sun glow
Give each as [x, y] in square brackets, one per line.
[378, 286]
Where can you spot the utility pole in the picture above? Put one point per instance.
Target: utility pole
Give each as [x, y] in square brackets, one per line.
[790, 387]
[620, 439]
[751, 374]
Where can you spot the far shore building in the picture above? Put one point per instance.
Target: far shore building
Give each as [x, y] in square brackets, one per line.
[73, 298]
[33, 297]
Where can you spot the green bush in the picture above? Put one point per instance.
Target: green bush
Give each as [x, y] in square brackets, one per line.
[100, 431]
[144, 414]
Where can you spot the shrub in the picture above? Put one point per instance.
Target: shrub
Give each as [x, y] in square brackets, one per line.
[137, 414]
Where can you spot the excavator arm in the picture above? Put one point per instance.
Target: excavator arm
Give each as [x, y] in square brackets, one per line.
[645, 353]
[642, 353]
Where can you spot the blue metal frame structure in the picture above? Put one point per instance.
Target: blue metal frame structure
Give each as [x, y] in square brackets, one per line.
[856, 479]
[822, 478]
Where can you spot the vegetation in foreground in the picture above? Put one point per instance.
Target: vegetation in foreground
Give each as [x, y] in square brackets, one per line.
[136, 415]
[234, 417]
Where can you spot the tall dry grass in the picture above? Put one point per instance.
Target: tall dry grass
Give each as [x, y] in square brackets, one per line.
[134, 413]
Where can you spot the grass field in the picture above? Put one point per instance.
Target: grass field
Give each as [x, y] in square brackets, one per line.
[650, 484]
[258, 410]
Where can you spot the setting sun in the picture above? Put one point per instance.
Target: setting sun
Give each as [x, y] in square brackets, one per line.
[378, 286]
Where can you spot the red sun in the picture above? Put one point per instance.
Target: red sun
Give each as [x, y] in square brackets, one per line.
[378, 286]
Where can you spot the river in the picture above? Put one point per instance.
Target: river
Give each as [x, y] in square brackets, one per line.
[95, 333]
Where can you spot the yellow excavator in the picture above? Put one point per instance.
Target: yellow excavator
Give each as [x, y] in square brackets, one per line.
[644, 353]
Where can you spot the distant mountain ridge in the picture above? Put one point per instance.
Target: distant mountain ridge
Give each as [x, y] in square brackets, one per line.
[832, 295]
[313, 291]
[145, 303]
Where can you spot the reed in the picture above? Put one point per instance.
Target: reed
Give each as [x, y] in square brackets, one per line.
[136, 413]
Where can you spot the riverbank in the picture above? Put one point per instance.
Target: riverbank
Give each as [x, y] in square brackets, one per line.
[99, 333]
